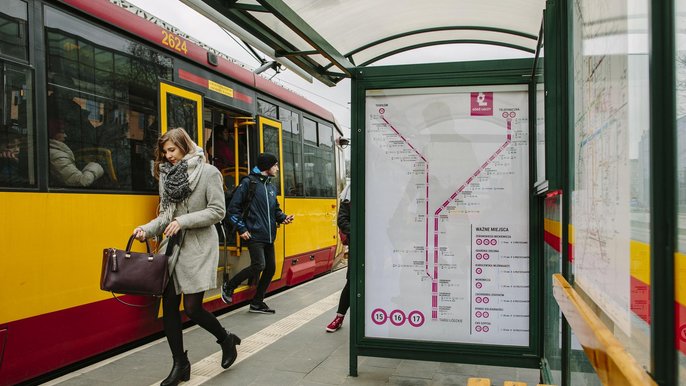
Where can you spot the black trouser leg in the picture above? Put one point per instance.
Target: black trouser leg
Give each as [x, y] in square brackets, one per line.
[268, 260]
[192, 305]
[344, 301]
[256, 265]
[171, 319]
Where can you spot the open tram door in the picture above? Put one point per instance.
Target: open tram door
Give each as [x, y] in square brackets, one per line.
[180, 107]
[270, 141]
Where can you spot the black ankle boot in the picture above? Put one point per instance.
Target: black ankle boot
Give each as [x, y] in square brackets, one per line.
[229, 352]
[181, 371]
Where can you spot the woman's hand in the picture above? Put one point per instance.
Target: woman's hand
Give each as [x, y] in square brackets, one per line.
[289, 219]
[172, 229]
[139, 234]
[245, 235]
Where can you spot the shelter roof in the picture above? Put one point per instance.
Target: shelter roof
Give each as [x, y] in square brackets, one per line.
[328, 39]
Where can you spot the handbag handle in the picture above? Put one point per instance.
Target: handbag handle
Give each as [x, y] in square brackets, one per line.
[130, 243]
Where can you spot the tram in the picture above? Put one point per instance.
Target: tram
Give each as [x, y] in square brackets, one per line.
[99, 81]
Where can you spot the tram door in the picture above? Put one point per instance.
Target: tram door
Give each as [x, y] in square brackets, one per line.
[270, 142]
[180, 107]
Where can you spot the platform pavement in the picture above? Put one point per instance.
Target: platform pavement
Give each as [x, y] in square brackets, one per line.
[288, 348]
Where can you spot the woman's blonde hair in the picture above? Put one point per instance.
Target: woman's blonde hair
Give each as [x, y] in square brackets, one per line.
[180, 139]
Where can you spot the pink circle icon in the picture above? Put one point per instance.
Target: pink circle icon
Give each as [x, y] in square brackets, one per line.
[479, 271]
[379, 316]
[479, 285]
[512, 114]
[487, 241]
[478, 328]
[477, 299]
[478, 241]
[478, 314]
[494, 241]
[397, 317]
[505, 114]
[485, 299]
[485, 329]
[382, 110]
[478, 256]
[486, 314]
[486, 256]
[415, 318]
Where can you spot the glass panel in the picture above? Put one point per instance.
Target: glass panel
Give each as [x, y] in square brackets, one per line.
[610, 198]
[292, 153]
[13, 31]
[102, 106]
[540, 133]
[552, 257]
[327, 173]
[17, 136]
[270, 136]
[680, 256]
[267, 109]
[182, 112]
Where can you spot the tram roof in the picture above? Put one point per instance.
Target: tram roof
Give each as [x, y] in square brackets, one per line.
[328, 39]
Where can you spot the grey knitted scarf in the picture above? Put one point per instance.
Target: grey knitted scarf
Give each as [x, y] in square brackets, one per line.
[178, 182]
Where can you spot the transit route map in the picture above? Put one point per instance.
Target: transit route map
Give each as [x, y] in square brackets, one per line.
[446, 215]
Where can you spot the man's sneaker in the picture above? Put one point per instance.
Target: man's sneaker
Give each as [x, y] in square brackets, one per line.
[335, 324]
[227, 293]
[261, 308]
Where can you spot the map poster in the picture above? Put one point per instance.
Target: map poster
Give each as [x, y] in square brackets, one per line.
[447, 215]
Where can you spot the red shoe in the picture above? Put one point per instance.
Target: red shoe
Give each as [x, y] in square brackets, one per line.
[335, 324]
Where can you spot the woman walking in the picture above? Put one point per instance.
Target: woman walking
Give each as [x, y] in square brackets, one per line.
[191, 202]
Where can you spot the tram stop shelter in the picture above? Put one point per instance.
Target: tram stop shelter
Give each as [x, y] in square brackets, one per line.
[474, 181]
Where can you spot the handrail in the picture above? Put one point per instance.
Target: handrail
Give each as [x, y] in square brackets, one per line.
[612, 363]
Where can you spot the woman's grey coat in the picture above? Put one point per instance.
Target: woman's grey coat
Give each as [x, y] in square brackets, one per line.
[195, 269]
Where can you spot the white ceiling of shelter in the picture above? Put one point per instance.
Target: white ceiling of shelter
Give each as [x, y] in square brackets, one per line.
[329, 38]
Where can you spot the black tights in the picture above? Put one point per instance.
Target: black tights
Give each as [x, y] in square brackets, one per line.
[192, 305]
[344, 301]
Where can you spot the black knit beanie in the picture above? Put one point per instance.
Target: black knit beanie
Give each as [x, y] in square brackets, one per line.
[265, 161]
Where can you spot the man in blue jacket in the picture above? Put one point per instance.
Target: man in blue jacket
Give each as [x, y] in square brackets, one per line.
[258, 230]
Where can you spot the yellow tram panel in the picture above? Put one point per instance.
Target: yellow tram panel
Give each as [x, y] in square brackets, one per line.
[314, 226]
[38, 274]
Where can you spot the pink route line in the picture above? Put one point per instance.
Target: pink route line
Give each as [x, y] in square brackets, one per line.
[426, 203]
[434, 285]
[434, 278]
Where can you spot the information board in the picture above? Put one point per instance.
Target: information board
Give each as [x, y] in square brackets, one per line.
[447, 215]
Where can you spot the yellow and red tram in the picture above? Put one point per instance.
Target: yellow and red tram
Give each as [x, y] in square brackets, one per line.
[104, 82]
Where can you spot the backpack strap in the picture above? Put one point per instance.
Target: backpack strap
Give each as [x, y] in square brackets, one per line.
[247, 200]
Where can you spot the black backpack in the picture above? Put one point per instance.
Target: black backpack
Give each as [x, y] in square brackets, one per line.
[245, 205]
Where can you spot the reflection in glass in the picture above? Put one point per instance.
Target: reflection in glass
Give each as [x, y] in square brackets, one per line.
[270, 136]
[13, 31]
[610, 197]
[102, 90]
[17, 136]
[680, 255]
[182, 112]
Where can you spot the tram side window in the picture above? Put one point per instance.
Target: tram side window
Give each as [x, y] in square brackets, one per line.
[17, 135]
[13, 31]
[318, 160]
[292, 153]
[102, 106]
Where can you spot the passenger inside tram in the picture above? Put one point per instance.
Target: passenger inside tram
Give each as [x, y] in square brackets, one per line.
[63, 163]
[13, 170]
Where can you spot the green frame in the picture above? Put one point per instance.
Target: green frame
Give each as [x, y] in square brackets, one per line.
[502, 72]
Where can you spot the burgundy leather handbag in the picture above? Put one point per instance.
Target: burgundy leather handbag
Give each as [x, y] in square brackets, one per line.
[134, 273]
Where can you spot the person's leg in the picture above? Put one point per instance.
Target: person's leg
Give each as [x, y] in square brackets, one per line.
[171, 319]
[181, 369]
[192, 306]
[269, 264]
[256, 265]
[344, 301]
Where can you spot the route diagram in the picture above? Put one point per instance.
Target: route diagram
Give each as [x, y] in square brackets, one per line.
[446, 216]
[508, 116]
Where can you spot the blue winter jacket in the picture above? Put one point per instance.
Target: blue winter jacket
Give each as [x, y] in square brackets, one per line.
[264, 211]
